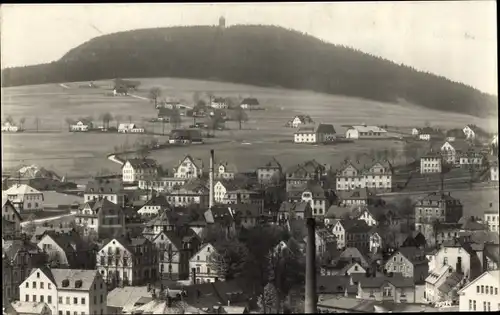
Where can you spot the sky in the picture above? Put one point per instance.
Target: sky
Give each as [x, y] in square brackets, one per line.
[453, 39]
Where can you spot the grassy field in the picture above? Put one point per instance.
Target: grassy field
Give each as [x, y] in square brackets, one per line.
[262, 138]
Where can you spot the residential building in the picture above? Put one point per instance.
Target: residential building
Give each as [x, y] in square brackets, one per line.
[104, 188]
[160, 184]
[364, 172]
[299, 120]
[81, 126]
[199, 265]
[451, 151]
[494, 170]
[315, 134]
[325, 241]
[185, 136]
[193, 192]
[250, 103]
[11, 220]
[172, 259]
[365, 132]
[415, 131]
[383, 239]
[470, 131]
[461, 257]
[436, 207]
[9, 127]
[102, 217]
[41, 231]
[67, 251]
[66, 291]
[19, 257]
[245, 196]
[166, 221]
[315, 195]
[359, 196]
[410, 262]
[188, 168]
[130, 128]
[472, 157]
[219, 103]
[221, 187]
[491, 218]
[133, 169]
[492, 256]
[295, 210]
[24, 198]
[269, 172]
[128, 261]
[224, 170]
[395, 288]
[351, 233]
[164, 114]
[440, 283]
[298, 176]
[431, 163]
[481, 294]
[154, 206]
[246, 215]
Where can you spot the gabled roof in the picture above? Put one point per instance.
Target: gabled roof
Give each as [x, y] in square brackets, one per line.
[7, 203]
[218, 100]
[22, 189]
[492, 252]
[451, 282]
[159, 201]
[128, 243]
[351, 253]
[313, 187]
[396, 280]
[493, 273]
[436, 274]
[104, 186]
[69, 243]
[413, 254]
[12, 248]
[191, 159]
[23, 307]
[172, 237]
[86, 277]
[106, 207]
[290, 207]
[273, 163]
[250, 101]
[365, 128]
[228, 167]
[142, 163]
[325, 128]
[304, 118]
[337, 212]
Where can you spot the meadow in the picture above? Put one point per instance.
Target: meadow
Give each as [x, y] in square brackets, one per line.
[263, 136]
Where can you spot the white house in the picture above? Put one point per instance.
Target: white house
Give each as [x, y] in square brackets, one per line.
[187, 168]
[154, 206]
[225, 170]
[431, 163]
[365, 132]
[481, 294]
[315, 134]
[494, 170]
[7, 126]
[81, 126]
[415, 131]
[299, 120]
[11, 220]
[24, 198]
[219, 103]
[199, 265]
[66, 291]
[269, 172]
[469, 132]
[129, 128]
[100, 188]
[424, 137]
[134, 168]
[491, 218]
[364, 173]
[160, 184]
[220, 190]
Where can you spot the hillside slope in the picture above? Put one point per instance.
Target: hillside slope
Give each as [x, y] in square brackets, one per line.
[257, 55]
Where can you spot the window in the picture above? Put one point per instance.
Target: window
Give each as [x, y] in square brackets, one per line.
[477, 289]
[482, 289]
[49, 299]
[34, 298]
[68, 313]
[34, 285]
[474, 305]
[387, 291]
[60, 300]
[496, 293]
[42, 298]
[101, 299]
[470, 304]
[27, 299]
[38, 275]
[487, 290]
[95, 299]
[67, 300]
[484, 306]
[41, 285]
[27, 284]
[49, 286]
[83, 301]
[60, 313]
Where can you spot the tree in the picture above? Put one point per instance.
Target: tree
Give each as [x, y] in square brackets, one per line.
[229, 260]
[106, 118]
[196, 97]
[118, 119]
[154, 94]
[240, 115]
[10, 120]
[175, 118]
[21, 122]
[268, 299]
[37, 121]
[69, 122]
[393, 154]
[129, 119]
[215, 122]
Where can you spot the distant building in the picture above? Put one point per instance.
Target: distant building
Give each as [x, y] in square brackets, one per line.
[199, 266]
[394, 288]
[24, 198]
[154, 206]
[81, 126]
[363, 173]
[193, 192]
[219, 103]
[295, 210]
[269, 172]
[134, 168]
[365, 132]
[11, 220]
[129, 128]
[494, 170]
[102, 188]
[185, 136]
[491, 218]
[188, 168]
[481, 294]
[315, 134]
[8, 127]
[410, 262]
[160, 184]
[120, 90]
[431, 163]
[102, 216]
[300, 120]
[225, 170]
[314, 194]
[250, 103]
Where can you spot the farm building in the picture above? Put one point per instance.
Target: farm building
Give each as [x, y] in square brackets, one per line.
[219, 103]
[315, 134]
[365, 132]
[7, 126]
[81, 126]
[185, 136]
[129, 128]
[250, 103]
[164, 114]
[120, 90]
[299, 120]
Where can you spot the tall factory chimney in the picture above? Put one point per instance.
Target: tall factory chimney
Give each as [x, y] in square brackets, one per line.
[211, 180]
[311, 299]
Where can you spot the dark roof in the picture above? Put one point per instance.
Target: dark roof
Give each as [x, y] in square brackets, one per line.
[492, 251]
[106, 207]
[325, 128]
[337, 212]
[165, 112]
[104, 186]
[451, 282]
[290, 207]
[273, 163]
[376, 282]
[352, 253]
[356, 194]
[173, 238]
[413, 254]
[245, 210]
[313, 187]
[142, 163]
[250, 101]
[7, 202]
[159, 200]
[438, 197]
[359, 226]
[15, 246]
[219, 100]
[335, 285]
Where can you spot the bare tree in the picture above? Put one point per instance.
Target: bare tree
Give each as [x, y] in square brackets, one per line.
[240, 115]
[106, 118]
[69, 122]
[9, 120]
[129, 119]
[21, 122]
[118, 119]
[154, 94]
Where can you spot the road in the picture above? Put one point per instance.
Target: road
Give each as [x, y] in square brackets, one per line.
[139, 97]
[47, 219]
[113, 158]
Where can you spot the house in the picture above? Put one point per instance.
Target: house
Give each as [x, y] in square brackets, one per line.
[343, 268]
[193, 192]
[431, 163]
[104, 188]
[9, 127]
[224, 170]
[245, 215]
[130, 128]
[18, 258]
[173, 259]
[315, 134]
[299, 120]
[127, 261]
[269, 172]
[383, 239]
[66, 291]
[295, 210]
[335, 211]
[164, 114]
[461, 256]
[492, 256]
[81, 126]
[410, 262]
[154, 206]
[102, 217]
[325, 241]
[11, 220]
[245, 196]
[491, 218]
[298, 176]
[314, 194]
[166, 221]
[395, 288]
[185, 136]
[169, 103]
[440, 283]
[434, 207]
[351, 233]
[120, 90]
[428, 133]
[471, 157]
[494, 170]
[364, 172]
[219, 103]
[135, 168]
[221, 187]
[365, 132]
[473, 131]
[451, 151]
[250, 103]
[199, 265]
[40, 232]
[66, 251]
[481, 294]
[24, 198]
[29, 308]
[359, 196]
[188, 168]
[160, 183]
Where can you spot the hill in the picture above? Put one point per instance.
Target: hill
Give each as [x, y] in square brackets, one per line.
[257, 55]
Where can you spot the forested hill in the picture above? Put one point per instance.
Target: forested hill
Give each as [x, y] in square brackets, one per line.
[257, 55]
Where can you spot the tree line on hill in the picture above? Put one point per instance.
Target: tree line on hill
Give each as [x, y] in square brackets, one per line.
[258, 55]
